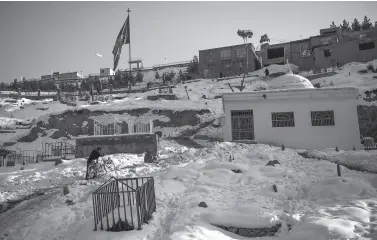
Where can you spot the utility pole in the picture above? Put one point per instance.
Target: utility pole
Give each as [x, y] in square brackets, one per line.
[129, 45]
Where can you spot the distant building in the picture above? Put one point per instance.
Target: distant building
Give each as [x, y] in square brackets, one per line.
[106, 72]
[63, 77]
[331, 48]
[227, 61]
[307, 118]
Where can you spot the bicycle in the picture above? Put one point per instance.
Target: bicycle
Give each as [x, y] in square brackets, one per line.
[100, 166]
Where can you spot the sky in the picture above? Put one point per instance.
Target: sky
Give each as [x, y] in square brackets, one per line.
[39, 37]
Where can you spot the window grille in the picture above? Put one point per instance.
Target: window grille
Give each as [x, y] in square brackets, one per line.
[283, 119]
[322, 118]
[242, 125]
[225, 54]
[241, 53]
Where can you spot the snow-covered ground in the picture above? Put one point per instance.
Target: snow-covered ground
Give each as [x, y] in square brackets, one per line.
[310, 197]
[349, 76]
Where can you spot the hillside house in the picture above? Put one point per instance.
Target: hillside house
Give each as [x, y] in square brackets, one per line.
[305, 118]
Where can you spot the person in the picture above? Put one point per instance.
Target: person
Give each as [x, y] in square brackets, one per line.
[221, 74]
[266, 72]
[94, 155]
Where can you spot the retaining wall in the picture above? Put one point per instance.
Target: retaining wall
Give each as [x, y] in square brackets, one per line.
[112, 144]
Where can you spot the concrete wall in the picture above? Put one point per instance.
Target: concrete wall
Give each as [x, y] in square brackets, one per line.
[211, 64]
[345, 134]
[343, 52]
[124, 143]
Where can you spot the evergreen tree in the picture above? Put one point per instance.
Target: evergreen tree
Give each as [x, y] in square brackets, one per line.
[139, 76]
[264, 38]
[356, 26]
[366, 24]
[332, 25]
[181, 76]
[193, 67]
[345, 26]
[157, 76]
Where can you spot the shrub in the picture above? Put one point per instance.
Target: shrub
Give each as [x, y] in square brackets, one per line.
[58, 161]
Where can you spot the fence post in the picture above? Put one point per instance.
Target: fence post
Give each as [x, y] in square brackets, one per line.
[137, 208]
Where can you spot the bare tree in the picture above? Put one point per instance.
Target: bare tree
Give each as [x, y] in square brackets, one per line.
[245, 34]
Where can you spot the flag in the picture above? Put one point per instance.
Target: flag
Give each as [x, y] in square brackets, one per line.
[123, 38]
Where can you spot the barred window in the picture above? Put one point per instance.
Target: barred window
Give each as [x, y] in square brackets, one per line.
[225, 54]
[241, 53]
[242, 125]
[322, 118]
[283, 119]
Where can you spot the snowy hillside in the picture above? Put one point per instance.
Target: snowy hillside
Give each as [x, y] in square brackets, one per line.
[353, 74]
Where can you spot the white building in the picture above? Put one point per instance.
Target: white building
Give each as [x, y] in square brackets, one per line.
[106, 72]
[304, 118]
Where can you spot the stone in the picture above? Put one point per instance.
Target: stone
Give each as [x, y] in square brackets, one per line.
[69, 202]
[66, 190]
[233, 230]
[148, 158]
[244, 232]
[203, 205]
[58, 161]
[272, 163]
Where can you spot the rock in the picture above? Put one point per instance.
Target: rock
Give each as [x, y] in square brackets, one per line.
[58, 161]
[275, 188]
[236, 171]
[203, 205]
[244, 232]
[65, 190]
[148, 158]
[69, 202]
[233, 230]
[272, 163]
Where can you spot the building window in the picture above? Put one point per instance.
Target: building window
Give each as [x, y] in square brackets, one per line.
[241, 53]
[242, 125]
[102, 71]
[283, 119]
[275, 53]
[225, 54]
[322, 118]
[366, 46]
[327, 52]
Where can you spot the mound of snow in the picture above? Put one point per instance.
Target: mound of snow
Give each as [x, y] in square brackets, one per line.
[340, 188]
[231, 218]
[289, 81]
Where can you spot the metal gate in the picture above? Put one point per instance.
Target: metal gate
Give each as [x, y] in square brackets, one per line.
[242, 125]
[52, 151]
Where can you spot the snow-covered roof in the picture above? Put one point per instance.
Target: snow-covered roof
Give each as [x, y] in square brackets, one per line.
[289, 81]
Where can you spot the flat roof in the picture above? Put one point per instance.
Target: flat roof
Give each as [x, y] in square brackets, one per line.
[295, 93]
[238, 45]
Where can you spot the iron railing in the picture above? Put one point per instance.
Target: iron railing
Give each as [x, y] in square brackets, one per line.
[124, 204]
[54, 150]
[24, 157]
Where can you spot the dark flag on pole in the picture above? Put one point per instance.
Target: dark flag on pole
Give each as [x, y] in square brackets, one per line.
[123, 38]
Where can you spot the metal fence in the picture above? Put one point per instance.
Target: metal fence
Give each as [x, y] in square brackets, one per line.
[24, 157]
[52, 151]
[369, 143]
[124, 204]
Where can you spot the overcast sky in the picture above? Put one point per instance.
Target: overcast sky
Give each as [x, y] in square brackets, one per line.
[37, 37]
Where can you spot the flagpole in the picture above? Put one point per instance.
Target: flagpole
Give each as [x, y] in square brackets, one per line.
[129, 45]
